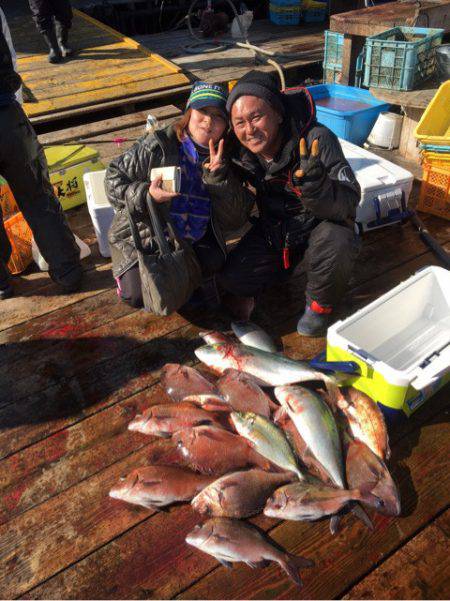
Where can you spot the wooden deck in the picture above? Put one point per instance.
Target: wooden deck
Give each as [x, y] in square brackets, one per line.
[294, 46]
[107, 70]
[75, 369]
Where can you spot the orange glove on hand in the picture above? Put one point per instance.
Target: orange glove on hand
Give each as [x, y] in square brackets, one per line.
[310, 174]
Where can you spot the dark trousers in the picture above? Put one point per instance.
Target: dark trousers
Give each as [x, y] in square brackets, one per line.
[23, 165]
[210, 256]
[329, 253]
[43, 12]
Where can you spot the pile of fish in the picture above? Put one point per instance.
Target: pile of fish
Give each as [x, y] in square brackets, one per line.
[257, 439]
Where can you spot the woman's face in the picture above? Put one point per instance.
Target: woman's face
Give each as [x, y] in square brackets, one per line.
[205, 124]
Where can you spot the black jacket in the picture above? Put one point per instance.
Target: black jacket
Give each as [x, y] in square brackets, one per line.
[10, 81]
[278, 200]
[127, 182]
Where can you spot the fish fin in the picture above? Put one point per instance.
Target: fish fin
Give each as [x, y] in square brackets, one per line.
[359, 512]
[334, 393]
[364, 495]
[225, 563]
[292, 564]
[258, 564]
[334, 524]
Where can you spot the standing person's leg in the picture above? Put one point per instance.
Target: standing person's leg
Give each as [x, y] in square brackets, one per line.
[63, 14]
[330, 257]
[42, 13]
[23, 164]
[5, 252]
[249, 268]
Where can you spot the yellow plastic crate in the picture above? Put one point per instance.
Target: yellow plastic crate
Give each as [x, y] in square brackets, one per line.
[438, 159]
[435, 190]
[434, 126]
[67, 165]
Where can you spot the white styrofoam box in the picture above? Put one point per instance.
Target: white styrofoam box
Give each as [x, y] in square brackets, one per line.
[100, 210]
[385, 188]
[85, 251]
[404, 335]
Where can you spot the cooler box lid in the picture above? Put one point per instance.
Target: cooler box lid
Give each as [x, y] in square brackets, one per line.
[371, 171]
[64, 156]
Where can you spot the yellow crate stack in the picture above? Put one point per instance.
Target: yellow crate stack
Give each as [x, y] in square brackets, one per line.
[433, 133]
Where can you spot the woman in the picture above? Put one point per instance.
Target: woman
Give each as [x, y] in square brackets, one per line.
[211, 201]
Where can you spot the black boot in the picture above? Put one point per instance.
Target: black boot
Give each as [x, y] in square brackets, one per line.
[6, 290]
[62, 33]
[54, 55]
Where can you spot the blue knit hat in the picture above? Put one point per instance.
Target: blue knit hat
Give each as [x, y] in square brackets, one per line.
[207, 94]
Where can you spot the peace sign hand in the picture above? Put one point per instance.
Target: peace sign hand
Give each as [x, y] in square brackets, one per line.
[311, 171]
[215, 156]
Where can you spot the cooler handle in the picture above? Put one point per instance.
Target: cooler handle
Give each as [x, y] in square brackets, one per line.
[434, 370]
[364, 355]
[348, 367]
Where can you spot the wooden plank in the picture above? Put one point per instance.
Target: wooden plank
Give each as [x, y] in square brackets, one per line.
[116, 124]
[182, 90]
[418, 99]
[20, 309]
[419, 570]
[376, 19]
[48, 89]
[61, 361]
[152, 560]
[90, 97]
[64, 324]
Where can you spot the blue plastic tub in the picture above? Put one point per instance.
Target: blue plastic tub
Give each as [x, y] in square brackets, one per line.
[349, 112]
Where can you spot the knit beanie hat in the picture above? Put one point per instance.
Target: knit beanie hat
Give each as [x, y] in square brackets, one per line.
[207, 94]
[259, 84]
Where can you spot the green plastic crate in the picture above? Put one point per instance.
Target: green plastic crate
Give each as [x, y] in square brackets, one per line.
[401, 58]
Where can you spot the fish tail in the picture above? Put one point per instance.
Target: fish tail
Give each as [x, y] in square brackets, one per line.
[291, 564]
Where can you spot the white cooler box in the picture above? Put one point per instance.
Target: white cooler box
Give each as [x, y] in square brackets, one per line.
[100, 210]
[385, 188]
[401, 342]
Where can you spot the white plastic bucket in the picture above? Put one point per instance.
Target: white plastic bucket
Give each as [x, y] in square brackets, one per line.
[386, 131]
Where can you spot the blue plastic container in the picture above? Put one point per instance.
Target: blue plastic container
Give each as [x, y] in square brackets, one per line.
[401, 58]
[351, 112]
[435, 148]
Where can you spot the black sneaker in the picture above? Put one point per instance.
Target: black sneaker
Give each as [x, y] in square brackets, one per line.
[70, 281]
[6, 290]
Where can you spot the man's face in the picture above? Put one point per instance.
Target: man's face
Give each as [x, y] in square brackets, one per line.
[256, 125]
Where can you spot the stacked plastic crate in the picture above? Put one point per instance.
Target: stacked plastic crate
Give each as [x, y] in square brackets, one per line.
[313, 11]
[433, 133]
[284, 12]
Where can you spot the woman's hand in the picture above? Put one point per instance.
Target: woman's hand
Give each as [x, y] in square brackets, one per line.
[215, 156]
[158, 194]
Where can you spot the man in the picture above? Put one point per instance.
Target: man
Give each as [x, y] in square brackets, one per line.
[306, 195]
[53, 19]
[23, 165]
